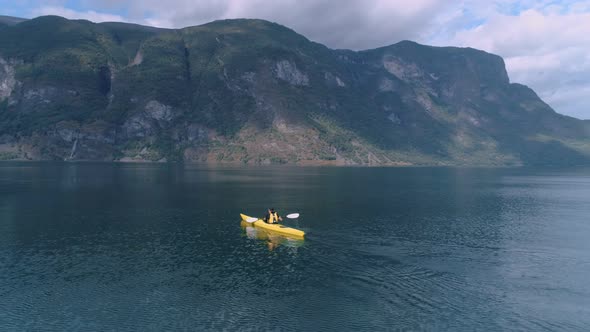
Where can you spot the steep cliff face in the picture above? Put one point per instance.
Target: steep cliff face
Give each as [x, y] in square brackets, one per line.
[250, 91]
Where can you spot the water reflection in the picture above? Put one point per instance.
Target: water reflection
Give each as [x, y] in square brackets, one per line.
[273, 240]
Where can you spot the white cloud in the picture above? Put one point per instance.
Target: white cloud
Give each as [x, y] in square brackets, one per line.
[545, 48]
[89, 15]
[339, 24]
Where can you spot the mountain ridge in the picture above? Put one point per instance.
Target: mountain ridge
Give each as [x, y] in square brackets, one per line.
[253, 91]
[10, 20]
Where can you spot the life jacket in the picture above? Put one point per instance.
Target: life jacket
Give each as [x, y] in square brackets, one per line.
[273, 218]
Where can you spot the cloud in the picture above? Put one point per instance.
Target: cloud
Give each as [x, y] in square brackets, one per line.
[89, 15]
[340, 24]
[545, 48]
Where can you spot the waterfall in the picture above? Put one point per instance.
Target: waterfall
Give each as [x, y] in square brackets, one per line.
[73, 149]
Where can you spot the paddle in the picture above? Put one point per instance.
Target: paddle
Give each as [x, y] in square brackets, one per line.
[290, 216]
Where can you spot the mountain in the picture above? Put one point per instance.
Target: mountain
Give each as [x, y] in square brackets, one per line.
[252, 91]
[10, 20]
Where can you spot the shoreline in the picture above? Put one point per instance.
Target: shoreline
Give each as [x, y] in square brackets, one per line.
[302, 164]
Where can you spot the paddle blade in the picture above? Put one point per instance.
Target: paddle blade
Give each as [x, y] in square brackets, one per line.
[293, 215]
[251, 219]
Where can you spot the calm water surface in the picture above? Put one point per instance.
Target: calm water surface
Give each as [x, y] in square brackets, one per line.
[160, 247]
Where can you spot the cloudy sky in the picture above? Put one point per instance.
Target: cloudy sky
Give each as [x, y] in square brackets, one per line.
[546, 44]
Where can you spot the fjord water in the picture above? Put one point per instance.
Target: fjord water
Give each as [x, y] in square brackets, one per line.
[93, 246]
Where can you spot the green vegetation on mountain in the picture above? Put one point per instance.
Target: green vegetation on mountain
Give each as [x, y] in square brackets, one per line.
[251, 91]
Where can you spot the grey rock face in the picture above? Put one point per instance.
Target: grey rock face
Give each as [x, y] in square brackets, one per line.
[7, 79]
[196, 133]
[403, 70]
[40, 98]
[138, 126]
[138, 59]
[149, 122]
[68, 134]
[157, 111]
[332, 79]
[287, 71]
[386, 85]
[394, 118]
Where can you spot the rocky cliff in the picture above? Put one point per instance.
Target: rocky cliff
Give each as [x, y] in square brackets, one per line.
[251, 91]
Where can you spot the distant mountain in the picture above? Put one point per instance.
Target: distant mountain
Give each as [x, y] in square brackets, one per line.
[251, 91]
[9, 20]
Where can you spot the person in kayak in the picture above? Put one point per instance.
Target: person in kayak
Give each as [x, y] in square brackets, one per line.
[272, 217]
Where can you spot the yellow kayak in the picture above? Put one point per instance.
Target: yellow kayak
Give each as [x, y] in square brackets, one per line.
[277, 228]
